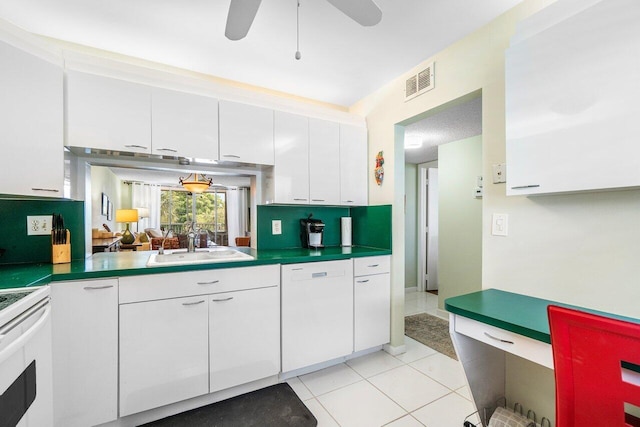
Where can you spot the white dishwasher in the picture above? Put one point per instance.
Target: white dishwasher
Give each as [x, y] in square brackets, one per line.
[317, 312]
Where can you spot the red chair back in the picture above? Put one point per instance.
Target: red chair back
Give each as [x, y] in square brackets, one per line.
[588, 353]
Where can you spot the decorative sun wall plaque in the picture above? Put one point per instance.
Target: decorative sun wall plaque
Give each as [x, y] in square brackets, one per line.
[379, 170]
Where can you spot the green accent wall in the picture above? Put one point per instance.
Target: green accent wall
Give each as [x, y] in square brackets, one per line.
[20, 248]
[371, 225]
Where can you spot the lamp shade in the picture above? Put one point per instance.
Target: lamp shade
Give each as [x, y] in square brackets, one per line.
[143, 212]
[126, 215]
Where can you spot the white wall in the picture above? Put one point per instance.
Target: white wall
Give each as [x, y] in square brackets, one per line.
[411, 225]
[460, 218]
[104, 181]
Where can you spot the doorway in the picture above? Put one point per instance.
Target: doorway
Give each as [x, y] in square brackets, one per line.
[453, 130]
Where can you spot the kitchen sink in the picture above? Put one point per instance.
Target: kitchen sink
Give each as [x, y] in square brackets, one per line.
[218, 254]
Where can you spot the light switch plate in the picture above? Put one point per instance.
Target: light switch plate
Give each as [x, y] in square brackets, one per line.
[500, 224]
[39, 225]
[276, 226]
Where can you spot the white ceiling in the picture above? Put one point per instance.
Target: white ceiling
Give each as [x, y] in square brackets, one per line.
[341, 63]
[453, 124]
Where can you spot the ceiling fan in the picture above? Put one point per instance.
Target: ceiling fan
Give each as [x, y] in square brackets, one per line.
[242, 13]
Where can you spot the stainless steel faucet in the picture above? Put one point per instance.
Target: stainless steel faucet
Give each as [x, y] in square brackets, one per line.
[161, 248]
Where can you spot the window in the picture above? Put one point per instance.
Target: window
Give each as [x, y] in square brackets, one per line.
[209, 210]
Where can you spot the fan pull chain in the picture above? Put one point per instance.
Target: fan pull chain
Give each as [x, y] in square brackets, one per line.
[298, 54]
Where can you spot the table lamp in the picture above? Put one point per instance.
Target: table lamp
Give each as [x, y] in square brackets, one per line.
[127, 216]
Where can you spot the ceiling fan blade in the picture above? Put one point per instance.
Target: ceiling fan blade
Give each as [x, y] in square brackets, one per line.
[364, 12]
[240, 18]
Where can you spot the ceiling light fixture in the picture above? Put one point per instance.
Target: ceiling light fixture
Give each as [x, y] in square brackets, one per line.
[411, 142]
[198, 184]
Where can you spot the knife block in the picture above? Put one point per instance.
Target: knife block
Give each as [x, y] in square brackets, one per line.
[61, 254]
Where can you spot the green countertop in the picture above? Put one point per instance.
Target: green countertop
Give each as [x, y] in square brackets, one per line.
[517, 313]
[116, 264]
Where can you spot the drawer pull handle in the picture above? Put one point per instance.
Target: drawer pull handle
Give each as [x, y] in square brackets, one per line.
[171, 150]
[222, 299]
[297, 269]
[51, 190]
[317, 200]
[323, 274]
[347, 201]
[373, 265]
[520, 187]
[498, 339]
[233, 156]
[93, 288]
[300, 200]
[193, 303]
[213, 282]
[136, 146]
[363, 281]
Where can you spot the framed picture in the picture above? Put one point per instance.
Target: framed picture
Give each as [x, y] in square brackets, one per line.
[109, 211]
[105, 203]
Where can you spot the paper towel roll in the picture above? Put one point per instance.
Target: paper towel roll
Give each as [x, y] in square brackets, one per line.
[345, 231]
[503, 417]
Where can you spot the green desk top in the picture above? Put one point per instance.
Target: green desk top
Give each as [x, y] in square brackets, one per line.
[517, 313]
[116, 264]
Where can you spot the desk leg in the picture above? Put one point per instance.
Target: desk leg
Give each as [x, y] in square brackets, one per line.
[484, 367]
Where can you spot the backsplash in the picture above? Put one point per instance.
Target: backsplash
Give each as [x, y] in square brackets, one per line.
[371, 225]
[20, 248]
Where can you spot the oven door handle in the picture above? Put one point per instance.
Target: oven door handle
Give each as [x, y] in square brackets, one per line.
[22, 339]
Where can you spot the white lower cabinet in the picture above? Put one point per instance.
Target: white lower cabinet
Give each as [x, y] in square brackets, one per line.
[244, 335]
[188, 334]
[372, 302]
[85, 352]
[164, 352]
[317, 312]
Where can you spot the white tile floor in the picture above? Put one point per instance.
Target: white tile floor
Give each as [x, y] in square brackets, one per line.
[418, 388]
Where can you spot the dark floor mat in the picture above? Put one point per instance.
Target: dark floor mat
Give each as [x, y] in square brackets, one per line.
[274, 406]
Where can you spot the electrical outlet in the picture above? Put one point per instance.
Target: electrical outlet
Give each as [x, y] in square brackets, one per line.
[39, 225]
[276, 226]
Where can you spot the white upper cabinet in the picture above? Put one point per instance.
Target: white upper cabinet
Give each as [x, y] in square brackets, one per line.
[184, 125]
[324, 162]
[31, 124]
[572, 99]
[291, 176]
[107, 113]
[353, 165]
[246, 133]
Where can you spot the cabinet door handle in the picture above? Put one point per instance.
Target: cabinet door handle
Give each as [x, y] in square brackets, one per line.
[297, 269]
[193, 303]
[498, 339]
[93, 288]
[300, 200]
[136, 146]
[347, 201]
[222, 299]
[363, 281]
[520, 187]
[317, 200]
[213, 282]
[51, 190]
[233, 156]
[373, 265]
[322, 274]
[171, 150]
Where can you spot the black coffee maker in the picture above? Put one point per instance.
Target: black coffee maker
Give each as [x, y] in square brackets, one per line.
[311, 231]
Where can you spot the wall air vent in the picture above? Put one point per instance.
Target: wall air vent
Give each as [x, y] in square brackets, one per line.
[420, 83]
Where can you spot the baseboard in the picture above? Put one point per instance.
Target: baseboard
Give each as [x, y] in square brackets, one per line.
[318, 366]
[410, 289]
[444, 314]
[395, 350]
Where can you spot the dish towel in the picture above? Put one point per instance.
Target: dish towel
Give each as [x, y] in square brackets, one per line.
[503, 417]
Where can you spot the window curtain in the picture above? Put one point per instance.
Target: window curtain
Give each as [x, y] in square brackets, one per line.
[146, 196]
[237, 218]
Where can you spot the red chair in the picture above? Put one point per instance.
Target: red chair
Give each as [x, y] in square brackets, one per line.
[588, 354]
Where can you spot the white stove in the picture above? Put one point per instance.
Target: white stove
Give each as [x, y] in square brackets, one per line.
[25, 358]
